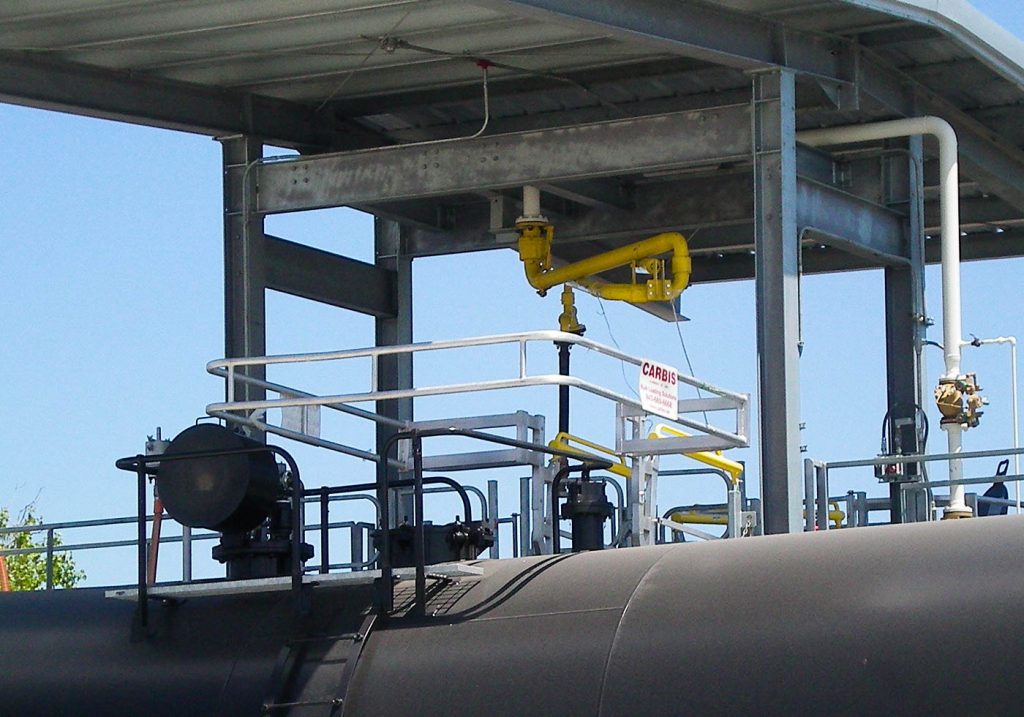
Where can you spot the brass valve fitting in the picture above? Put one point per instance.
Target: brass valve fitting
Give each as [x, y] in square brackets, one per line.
[959, 400]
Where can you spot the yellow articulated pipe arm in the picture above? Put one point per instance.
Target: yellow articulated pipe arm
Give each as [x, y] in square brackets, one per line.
[564, 441]
[713, 517]
[700, 518]
[715, 460]
[535, 253]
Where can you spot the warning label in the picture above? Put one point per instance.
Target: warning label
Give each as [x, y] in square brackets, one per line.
[659, 389]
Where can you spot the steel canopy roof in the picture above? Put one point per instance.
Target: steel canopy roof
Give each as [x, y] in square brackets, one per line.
[329, 53]
[329, 75]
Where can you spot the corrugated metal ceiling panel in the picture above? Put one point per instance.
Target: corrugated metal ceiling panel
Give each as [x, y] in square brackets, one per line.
[311, 50]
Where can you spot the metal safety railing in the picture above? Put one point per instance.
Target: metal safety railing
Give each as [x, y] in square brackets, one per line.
[735, 514]
[234, 371]
[50, 548]
[362, 556]
[817, 479]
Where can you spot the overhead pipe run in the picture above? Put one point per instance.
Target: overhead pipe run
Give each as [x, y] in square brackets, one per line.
[954, 389]
[535, 238]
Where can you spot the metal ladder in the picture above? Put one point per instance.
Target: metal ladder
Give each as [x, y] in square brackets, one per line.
[298, 658]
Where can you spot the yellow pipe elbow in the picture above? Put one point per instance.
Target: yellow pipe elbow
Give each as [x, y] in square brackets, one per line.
[564, 442]
[535, 253]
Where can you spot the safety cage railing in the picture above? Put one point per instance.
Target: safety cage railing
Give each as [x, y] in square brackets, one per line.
[913, 485]
[249, 412]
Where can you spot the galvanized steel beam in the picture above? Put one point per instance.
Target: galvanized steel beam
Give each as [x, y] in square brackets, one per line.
[777, 286]
[329, 278]
[997, 165]
[44, 82]
[244, 264]
[990, 245]
[724, 37]
[715, 212]
[850, 224]
[644, 144]
[395, 371]
[983, 211]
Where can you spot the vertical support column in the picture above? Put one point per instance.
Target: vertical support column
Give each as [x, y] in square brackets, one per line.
[394, 371]
[777, 267]
[493, 516]
[904, 288]
[244, 264]
[525, 515]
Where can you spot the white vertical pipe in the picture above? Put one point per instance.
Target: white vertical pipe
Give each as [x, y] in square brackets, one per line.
[949, 200]
[531, 202]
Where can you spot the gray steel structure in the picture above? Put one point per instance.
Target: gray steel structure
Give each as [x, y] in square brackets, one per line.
[633, 118]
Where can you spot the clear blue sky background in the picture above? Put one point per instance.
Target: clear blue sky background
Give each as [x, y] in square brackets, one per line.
[111, 305]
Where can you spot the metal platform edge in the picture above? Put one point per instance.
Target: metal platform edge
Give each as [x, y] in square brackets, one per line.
[263, 585]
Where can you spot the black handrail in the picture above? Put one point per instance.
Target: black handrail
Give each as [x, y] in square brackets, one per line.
[139, 465]
[386, 587]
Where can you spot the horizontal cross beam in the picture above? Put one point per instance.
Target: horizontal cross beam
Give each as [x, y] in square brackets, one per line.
[634, 146]
[329, 278]
[36, 81]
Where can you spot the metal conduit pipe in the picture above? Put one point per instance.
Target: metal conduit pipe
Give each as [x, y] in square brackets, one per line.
[949, 201]
[1012, 341]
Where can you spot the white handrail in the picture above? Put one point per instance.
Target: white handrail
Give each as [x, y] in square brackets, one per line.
[232, 369]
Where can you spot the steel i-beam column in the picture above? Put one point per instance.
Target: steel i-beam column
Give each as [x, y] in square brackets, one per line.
[904, 287]
[244, 261]
[777, 286]
[390, 240]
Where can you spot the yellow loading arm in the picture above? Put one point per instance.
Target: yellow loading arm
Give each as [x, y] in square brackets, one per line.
[718, 517]
[564, 442]
[714, 459]
[536, 235]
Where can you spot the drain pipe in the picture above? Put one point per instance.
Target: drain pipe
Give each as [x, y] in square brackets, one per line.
[949, 202]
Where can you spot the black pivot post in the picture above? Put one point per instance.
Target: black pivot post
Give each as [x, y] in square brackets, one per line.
[386, 588]
[325, 542]
[419, 537]
[569, 323]
[563, 391]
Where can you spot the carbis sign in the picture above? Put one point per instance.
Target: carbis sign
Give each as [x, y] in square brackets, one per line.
[659, 389]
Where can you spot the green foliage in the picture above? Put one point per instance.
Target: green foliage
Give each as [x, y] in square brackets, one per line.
[28, 572]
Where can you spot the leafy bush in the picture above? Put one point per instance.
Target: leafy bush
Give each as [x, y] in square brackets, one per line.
[28, 572]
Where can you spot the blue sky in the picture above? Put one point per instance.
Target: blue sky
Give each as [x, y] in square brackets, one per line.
[111, 305]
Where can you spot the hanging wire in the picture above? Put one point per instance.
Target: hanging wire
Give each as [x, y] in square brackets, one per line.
[380, 43]
[622, 364]
[682, 342]
[395, 43]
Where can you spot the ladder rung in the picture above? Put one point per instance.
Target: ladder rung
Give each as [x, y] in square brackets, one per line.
[335, 702]
[354, 636]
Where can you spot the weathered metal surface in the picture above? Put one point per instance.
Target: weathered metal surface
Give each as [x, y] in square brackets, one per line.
[849, 622]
